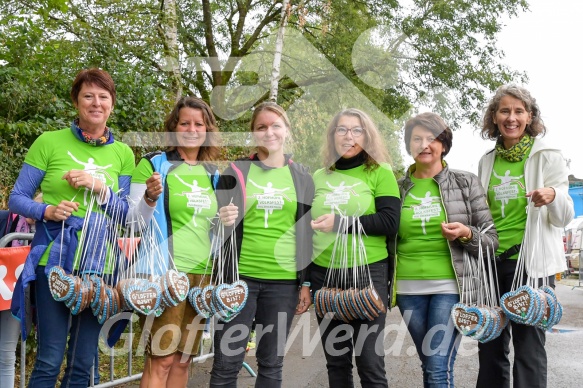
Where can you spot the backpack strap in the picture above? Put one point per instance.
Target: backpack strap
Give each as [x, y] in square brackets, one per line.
[13, 222]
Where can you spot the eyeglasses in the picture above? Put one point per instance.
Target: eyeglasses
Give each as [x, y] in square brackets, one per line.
[356, 131]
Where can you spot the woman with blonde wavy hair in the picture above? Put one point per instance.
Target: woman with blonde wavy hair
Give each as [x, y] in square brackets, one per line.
[356, 181]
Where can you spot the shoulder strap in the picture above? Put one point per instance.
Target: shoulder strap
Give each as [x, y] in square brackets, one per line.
[13, 222]
[213, 174]
[242, 182]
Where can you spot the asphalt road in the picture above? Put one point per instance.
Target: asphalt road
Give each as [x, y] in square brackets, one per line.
[305, 365]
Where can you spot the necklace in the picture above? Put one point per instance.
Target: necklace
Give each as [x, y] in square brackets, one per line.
[190, 165]
[183, 156]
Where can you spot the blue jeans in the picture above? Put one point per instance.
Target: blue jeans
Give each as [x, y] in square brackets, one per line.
[362, 339]
[96, 376]
[52, 331]
[428, 319]
[272, 305]
[9, 334]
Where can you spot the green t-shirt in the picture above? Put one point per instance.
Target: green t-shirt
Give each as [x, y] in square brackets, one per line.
[351, 192]
[191, 205]
[58, 152]
[268, 250]
[422, 251]
[507, 200]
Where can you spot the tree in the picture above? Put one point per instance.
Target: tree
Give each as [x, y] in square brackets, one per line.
[438, 53]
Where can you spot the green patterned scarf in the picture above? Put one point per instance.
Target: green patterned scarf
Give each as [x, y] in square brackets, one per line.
[517, 152]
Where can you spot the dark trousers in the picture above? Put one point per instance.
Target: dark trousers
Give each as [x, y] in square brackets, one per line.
[272, 305]
[361, 338]
[530, 356]
[52, 332]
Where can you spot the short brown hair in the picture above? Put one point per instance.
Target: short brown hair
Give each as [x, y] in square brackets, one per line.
[210, 148]
[434, 124]
[536, 127]
[93, 76]
[373, 147]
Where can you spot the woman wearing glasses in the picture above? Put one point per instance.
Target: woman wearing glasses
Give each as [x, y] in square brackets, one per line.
[356, 181]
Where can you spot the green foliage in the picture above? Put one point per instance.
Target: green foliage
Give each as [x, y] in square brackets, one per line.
[435, 53]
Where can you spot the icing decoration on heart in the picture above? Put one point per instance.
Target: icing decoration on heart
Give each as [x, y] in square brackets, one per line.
[555, 306]
[166, 300]
[354, 306]
[375, 300]
[144, 297]
[484, 321]
[345, 305]
[114, 300]
[207, 299]
[329, 301]
[120, 292]
[360, 303]
[99, 295]
[366, 295]
[318, 303]
[196, 300]
[105, 310]
[80, 294]
[177, 284]
[491, 328]
[324, 297]
[70, 303]
[467, 322]
[89, 291]
[541, 308]
[230, 299]
[339, 308]
[348, 302]
[519, 305]
[61, 284]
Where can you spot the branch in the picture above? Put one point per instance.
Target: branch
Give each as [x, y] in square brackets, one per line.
[210, 42]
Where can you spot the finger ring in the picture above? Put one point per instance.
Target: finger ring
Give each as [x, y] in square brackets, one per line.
[64, 212]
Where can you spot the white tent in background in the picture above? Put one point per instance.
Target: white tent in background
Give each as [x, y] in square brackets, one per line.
[575, 223]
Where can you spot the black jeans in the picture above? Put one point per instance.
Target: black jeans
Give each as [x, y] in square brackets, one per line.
[361, 338]
[530, 356]
[272, 305]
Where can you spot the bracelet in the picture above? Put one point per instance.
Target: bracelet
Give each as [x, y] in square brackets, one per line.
[148, 198]
[464, 240]
[306, 284]
[43, 219]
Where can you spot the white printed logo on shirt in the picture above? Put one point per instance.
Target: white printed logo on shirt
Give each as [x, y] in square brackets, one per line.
[97, 172]
[428, 207]
[196, 198]
[270, 200]
[507, 189]
[340, 195]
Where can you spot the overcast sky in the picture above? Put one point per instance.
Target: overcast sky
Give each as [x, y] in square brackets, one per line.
[546, 43]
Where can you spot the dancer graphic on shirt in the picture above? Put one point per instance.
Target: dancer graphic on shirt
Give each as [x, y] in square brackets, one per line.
[269, 192]
[505, 195]
[339, 195]
[425, 210]
[196, 199]
[99, 172]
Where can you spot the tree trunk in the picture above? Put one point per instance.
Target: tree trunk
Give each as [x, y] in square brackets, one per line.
[278, 50]
[169, 29]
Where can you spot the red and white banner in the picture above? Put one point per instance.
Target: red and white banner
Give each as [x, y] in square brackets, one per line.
[11, 264]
